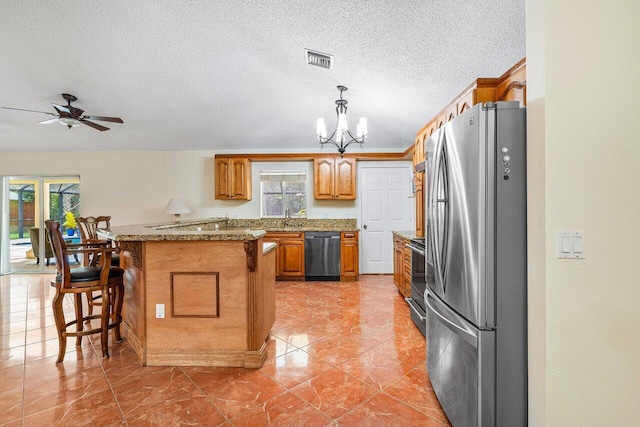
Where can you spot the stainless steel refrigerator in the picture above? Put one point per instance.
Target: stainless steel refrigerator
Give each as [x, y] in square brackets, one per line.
[476, 266]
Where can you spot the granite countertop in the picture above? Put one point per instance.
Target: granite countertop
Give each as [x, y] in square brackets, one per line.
[294, 224]
[199, 230]
[223, 229]
[405, 234]
[268, 247]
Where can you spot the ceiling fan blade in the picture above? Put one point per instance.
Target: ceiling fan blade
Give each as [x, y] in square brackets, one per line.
[31, 111]
[104, 119]
[94, 125]
[46, 122]
[61, 108]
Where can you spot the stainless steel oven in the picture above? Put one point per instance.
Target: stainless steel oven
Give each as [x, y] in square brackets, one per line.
[418, 284]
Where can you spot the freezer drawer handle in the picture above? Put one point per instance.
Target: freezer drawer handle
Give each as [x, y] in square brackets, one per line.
[422, 318]
[463, 333]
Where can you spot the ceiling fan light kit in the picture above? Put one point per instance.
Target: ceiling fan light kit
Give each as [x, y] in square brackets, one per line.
[341, 136]
[68, 121]
[71, 116]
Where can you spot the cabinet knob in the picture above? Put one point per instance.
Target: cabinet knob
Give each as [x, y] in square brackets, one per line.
[364, 226]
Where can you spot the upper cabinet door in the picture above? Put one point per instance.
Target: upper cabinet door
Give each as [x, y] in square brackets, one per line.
[233, 178]
[334, 178]
[345, 179]
[241, 179]
[323, 178]
[222, 183]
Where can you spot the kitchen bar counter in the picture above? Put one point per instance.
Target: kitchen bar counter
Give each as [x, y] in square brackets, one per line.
[228, 229]
[215, 287]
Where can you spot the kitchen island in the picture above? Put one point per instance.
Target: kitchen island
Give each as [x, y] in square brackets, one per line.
[196, 295]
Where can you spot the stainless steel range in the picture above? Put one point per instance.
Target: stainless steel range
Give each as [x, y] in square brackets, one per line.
[418, 284]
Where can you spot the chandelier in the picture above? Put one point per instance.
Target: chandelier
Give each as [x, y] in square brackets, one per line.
[342, 136]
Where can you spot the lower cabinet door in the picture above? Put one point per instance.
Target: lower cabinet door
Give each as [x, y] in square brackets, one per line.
[291, 258]
[349, 258]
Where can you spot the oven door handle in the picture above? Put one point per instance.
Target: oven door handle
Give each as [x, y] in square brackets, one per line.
[415, 249]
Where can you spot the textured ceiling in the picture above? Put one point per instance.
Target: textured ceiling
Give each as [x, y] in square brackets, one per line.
[231, 75]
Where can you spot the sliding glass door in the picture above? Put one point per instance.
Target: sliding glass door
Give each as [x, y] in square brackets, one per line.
[32, 200]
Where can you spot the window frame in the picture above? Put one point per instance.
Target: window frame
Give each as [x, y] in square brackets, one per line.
[283, 178]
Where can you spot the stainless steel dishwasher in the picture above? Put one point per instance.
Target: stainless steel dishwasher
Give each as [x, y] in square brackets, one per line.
[322, 255]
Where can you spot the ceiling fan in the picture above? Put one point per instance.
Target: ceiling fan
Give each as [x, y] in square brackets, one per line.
[71, 116]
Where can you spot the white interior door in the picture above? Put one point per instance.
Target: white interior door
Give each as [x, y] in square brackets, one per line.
[385, 206]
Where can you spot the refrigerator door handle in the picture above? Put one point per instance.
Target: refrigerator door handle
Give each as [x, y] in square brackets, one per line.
[445, 214]
[458, 328]
[433, 195]
[439, 242]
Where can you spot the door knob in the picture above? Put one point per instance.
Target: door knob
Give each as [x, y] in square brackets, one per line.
[364, 226]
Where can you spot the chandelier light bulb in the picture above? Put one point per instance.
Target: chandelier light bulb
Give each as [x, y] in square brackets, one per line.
[342, 123]
[362, 128]
[321, 129]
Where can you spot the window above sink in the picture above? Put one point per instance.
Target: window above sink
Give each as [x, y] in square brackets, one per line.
[283, 194]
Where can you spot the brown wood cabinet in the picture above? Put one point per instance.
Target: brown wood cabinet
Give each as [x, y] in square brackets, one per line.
[334, 178]
[511, 86]
[289, 254]
[419, 199]
[398, 261]
[406, 278]
[418, 179]
[349, 257]
[402, 266]
[233, 178]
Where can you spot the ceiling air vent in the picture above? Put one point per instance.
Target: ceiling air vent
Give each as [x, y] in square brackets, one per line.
[319, 59]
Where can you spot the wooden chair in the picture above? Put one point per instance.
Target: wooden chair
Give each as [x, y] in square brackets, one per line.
[101, 278]
[34, 235]
[89, 227]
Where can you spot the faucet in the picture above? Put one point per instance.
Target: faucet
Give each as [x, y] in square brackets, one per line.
[287, 217]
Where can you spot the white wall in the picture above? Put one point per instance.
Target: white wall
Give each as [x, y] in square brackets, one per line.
[536, 228]
[135, 186]
[585, 340]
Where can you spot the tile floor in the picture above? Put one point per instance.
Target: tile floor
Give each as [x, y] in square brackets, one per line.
[340, 354]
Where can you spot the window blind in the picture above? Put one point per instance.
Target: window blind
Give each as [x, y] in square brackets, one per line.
[283, 176]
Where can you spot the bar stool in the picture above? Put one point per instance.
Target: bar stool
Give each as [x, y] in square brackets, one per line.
[89, 227]
[101, 277]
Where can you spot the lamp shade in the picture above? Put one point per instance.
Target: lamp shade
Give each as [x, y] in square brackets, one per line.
[177, 207]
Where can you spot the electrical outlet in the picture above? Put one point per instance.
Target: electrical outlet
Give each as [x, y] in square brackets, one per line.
[159, 311]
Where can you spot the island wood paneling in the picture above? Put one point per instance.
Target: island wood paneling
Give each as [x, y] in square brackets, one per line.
[133, 308]
[195, 294]
[261, 310]
[218, 308]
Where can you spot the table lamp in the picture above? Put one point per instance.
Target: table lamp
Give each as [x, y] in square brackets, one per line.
[177, 207]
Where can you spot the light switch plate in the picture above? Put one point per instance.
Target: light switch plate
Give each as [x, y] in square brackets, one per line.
[570, 244]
